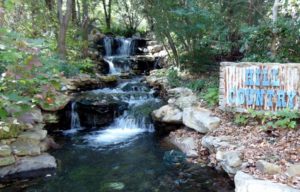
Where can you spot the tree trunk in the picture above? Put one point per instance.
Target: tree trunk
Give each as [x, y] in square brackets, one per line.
[173, 48]
[107, 13]
[73, 12]
[63, 26]
[274, 37]
[78, 11]
[85, 24]
[49, 4]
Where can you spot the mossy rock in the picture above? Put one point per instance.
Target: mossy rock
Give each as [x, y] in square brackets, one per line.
[13, 132]
[61, 100]
[108, 78]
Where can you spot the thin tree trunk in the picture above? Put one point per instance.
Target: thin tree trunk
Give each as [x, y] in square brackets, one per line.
[78, 11]
[85, 23]
[173, 48]
[274, 19]
[74, 13]
[63, 26]
[107, 13]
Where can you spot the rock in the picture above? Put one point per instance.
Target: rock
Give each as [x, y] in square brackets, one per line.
[98, 109]
[85, 82]
[200, 119]
[26, 147]
[4, 161]
[187, 145]
[142, 63]
[5, 150]
[25, 164]
[247, 183]
[13, 131]
[152, 43]
[33, 135]
[48, 143]
[155, 48]
[213, 144]
[267, 168]
[294, 170]
[233, 158]
[50, 118]
[179, 92]
[33, 116]
[186, 101]
[167, 114]
[125, 75]
[162, 53]
[109, 79]
[61, 100]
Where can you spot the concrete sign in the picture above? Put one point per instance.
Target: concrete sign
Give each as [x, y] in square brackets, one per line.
[259, 86]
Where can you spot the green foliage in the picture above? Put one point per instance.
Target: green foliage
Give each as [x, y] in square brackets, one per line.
[257, 41]
[241, 119]
[281, 119]
[196, 85]
[173, 78]
[212, 96]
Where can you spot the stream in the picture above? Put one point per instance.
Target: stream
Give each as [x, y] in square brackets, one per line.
[126, 155]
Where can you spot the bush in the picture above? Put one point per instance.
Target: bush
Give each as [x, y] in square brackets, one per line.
[212, 96]
[173, 78]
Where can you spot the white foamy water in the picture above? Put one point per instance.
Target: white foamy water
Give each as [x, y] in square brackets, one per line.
[122, 130]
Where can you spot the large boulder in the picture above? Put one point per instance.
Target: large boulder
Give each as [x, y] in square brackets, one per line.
[200, 119]
[167, 114]
[28, 164]
[247, 183]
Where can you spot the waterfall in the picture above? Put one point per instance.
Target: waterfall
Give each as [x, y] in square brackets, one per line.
[75, 121]
[134, 121]
[125, 47]
[108, 41]
[112, 68]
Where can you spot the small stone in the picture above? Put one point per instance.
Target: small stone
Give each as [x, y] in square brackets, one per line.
[220, 155]
[267, 168]
[5, 150]
[117, 185]
[294, 170]
[4, 161]
[232, 158]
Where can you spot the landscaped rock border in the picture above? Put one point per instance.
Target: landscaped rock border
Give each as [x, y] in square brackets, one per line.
[227, 152]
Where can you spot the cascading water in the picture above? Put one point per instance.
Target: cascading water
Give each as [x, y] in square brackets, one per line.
[108, 41]
[75, 121]
[125, 47]
[132, 122]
